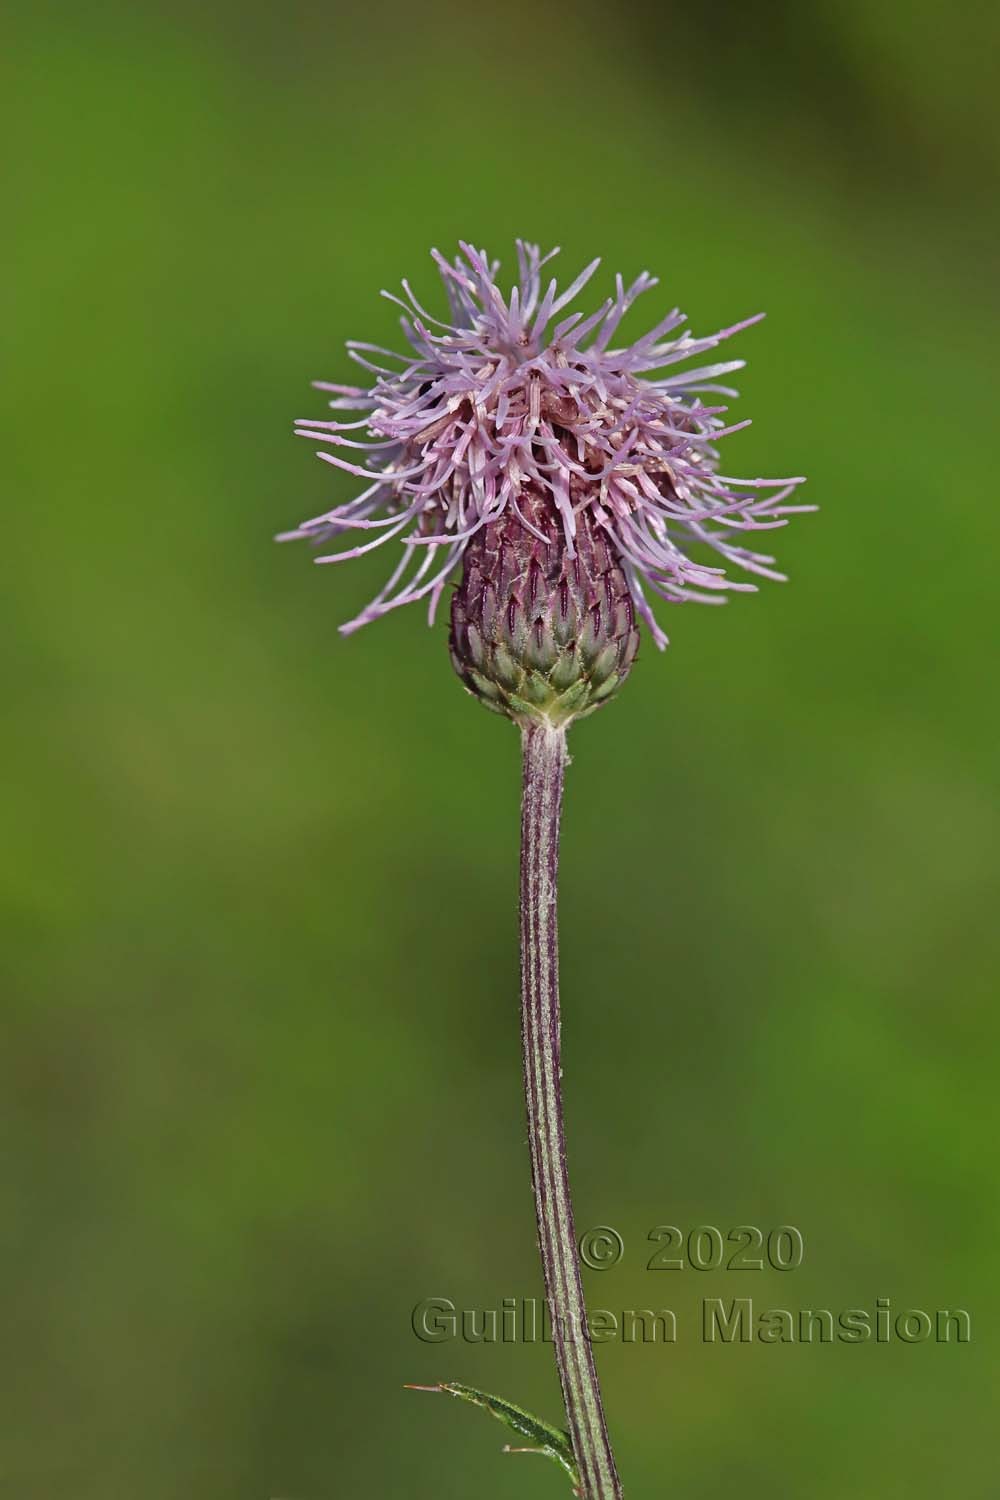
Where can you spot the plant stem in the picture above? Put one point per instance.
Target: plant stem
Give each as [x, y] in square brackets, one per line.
[544, 762]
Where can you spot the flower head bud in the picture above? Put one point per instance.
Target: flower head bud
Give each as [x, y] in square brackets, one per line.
[539, 631]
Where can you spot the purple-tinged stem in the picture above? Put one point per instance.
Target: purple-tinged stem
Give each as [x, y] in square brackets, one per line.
[544, 762]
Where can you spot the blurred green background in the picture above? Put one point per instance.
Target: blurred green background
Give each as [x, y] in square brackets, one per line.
[260, 1066]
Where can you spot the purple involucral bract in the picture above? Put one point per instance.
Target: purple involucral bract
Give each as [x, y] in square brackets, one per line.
[519, 397]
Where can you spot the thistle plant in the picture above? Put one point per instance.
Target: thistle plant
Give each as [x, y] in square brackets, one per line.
[568, 482]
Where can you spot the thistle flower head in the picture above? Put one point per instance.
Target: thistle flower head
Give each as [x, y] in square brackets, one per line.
[516, 404]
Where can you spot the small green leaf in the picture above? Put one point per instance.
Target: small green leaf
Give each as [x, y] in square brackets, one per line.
[542, 1438]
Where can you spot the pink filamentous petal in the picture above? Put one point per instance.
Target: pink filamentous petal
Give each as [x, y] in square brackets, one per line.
[497, 404]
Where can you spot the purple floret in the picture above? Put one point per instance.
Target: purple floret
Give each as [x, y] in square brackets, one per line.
[517, 396]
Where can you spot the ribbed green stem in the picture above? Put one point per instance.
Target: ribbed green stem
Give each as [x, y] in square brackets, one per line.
[544, 761]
